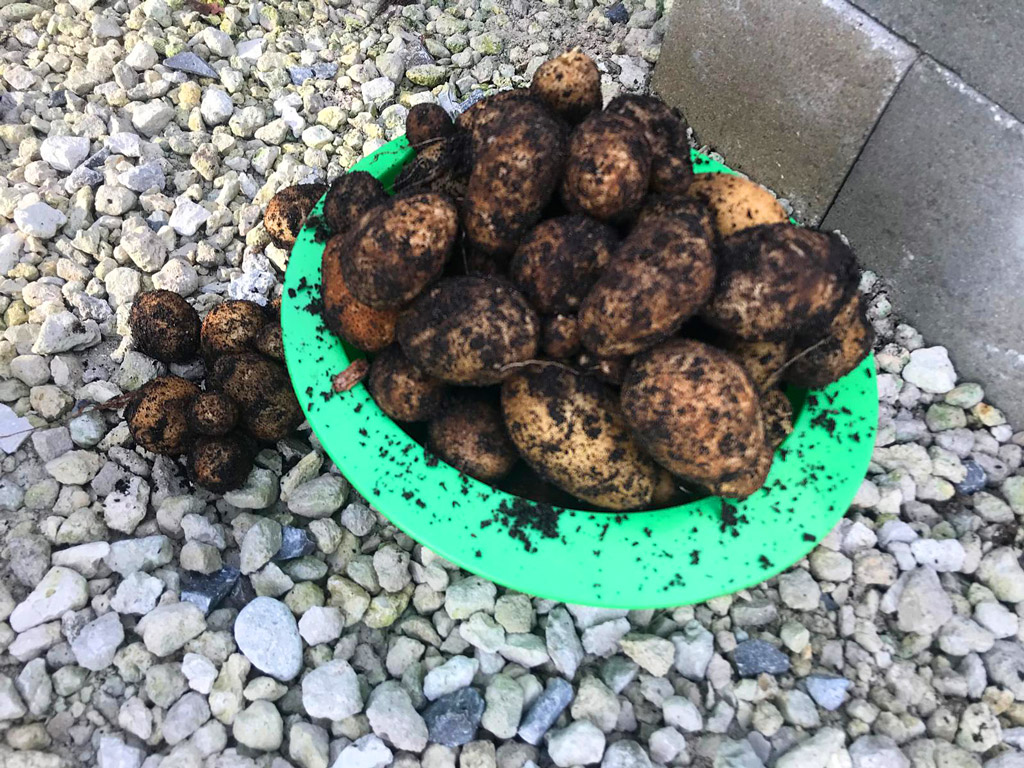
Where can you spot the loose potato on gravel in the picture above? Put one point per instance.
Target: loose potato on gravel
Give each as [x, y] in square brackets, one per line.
[469, 434]
[232, 326]
[665, 131]
[270, 342]
[400, 250]
[569, 85]
[350, 196]
[158, 415]
[659, 277]
[362, 326]
[560, 336]
[269, 410]
[212, 413]
[778, 280]
[469, 330]
[736, 203]
[556, 264]
[849, 340]
[287, 211]
[608, 169]
[427, 122]
[569, 429]
[164, 326]
[695, 410]
[220, 464]
[401, 390]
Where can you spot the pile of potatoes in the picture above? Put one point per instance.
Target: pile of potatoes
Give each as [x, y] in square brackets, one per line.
[548, 284]
[246, 397]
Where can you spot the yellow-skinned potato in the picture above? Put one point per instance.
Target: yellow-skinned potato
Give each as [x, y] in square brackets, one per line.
[569, 85]
[360, 325]
[483, 120]
[440, 166]
[560, 336]
[287, 211]
[745, 482]
[778, 417]
[569, 429]
[763, 360]
[220, 463]
[848, 341]
[403, 391]
[736, 203]
[469, 434]
[665, 131]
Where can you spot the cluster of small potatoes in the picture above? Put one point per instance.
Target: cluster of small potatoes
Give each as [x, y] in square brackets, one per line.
[551, 283]
[246, 398]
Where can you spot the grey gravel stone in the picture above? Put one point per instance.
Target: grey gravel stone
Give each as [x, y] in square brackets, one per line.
[267, 634]
[542, 714]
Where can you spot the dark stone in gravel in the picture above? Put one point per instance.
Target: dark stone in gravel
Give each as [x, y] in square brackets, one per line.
[206, 591]
[241, 594]
[545, 710]
[188, 62]
[452, 720]
[97, 160]
[752, 657]
[325, 70]
[975, 479]
[828, 692]
[59, 98]
[295, 542]
[829, 602]
[617, 14]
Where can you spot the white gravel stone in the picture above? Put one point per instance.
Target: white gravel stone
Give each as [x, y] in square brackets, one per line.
[64, 153]
[454, 674]
[682, 713]
[320, 624]
[563, 644]
[319, 498]
[466, 597]
[394, 719]
[152, 117]
[259, 726]
[996, 618]
[267, 634]
[187, 217]
[581, 743]
[1000, 571]
[930, 370]
[97, 642]
[200, 672]
[332, 691]
[61, 590]
[944, 555]
[365, 752]
[923, 605]
[39, 220]
[167, 628]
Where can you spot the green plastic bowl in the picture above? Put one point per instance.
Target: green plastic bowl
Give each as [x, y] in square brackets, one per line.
[675, 556]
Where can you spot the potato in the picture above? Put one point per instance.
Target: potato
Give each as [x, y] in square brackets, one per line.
[608, 169]
[287, 211]
[269, 410]
[676, 207]
[401, 390]
[441, 166]
[483, 119]
[469, 434]
[763, 360]
[569, 428]
[666, 490]
[778, 280]
[736, 203]
[273, 309]
[349, 198]
[158, 415]
[660, 276]
[560, 336]
[778, 417]
[469, 330]
[270, 342]
[220, 464]
[232, 326]
[212, 413]
[362, 326]
[400, 250]
[164, 326]
[560, 259]
[849, 340]
[665, 131]
[427, 122]
[569, 85]
[743, 483]
[695, 410]
[610, 370]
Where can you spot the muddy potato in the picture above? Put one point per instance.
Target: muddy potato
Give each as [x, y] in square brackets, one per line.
[610, 370]
[220, 464]
[362, 326]
[441, 166]
[427, 122]
[749, 479]
[287, 212]
[778, 280]
[560, 259]
[695, 410]
[273, 310]
[158, 415]
[560, 336]
[569, 85]
[469, 330]
[164, 326]
[232, 326]
[400, 250]
[665, 131]
[778, 417]
[213, 414]
[660, 276]
[568, 427]
[763, 360]
[266, 401]
[469, 433]
[270, 342]
[484, 118]
[736, 203]
[849, 339]
[608, 169]
[401, 390]
[656, 206]
[349, 198]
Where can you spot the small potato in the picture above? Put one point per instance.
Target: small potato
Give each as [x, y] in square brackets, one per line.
[665, 131]
[736, 203]
[660, 276]
[682, 206]
[212, 413]
[469, 330]
[569, 428]
[608, 169]
[263, 391]
[158, 415]
[778, 417]
[427, 122]
[351, 196]
[560, 336]
[469, 434]
[232, 326]
[287, 211]
[763, 360]
[164, 326]
[348, 318]
[743, 483]
[666, 491]
[270, 342]
[556, 264]
[220, 464]
[441, 166]
[777, 280]
[484, 118]
[849, 340]
[569, 85]
[400, 250]
[401, 390]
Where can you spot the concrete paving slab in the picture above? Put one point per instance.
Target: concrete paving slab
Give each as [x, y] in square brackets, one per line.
[788, 92]
[982, 40]
[936, 204]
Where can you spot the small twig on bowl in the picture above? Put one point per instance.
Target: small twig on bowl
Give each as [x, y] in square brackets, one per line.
[352, 375]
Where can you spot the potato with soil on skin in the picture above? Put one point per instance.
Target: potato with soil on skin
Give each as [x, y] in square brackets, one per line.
[660, 276]
[758, 462]
[763, 360]
[362, 326]
[569, 428]
[232, 326]
[736, 203]
[777, 412]
[695, 410]
[270, 342]
[569, 85]
[482, 119]
[608, 169]
[401, 390]
[469, 434]
[469, 330]
[349, 198]
[269, 410]
[848, 341]
[442, 167]
[427, 122]
[673, 206]
[665, 131]
[220, 464]
[778, 280]
[610, 370]
[560, 336]
[560, 259]
[400, 249]
[287, 211]
[213, 414]
[158, 415]
[164, 326]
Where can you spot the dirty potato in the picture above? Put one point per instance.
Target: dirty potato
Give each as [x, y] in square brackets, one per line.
[263, 392]
[287, 211]
[469, 433]
[221, 464]
[665, 131]
[401, 390]
[349, 198]
[673, 206]
[560, 336]
[213, 414]
[348, 318]
[736, 203]
[441, 166]
[157, 415]
[484, 118]
[164, 326]
[427, 122]
[270, 342]
[828, 358]
[763, 360]
[778, 417]
[232, 326]
[569, 85]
